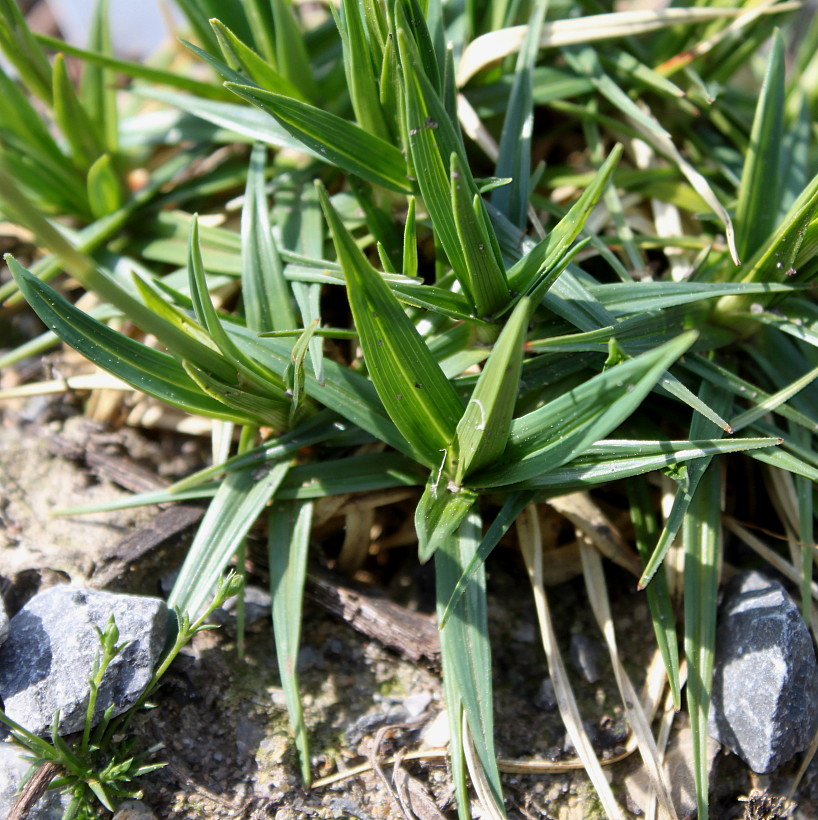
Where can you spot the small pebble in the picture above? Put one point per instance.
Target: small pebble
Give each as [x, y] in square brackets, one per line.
[586, 656]
[133, 810]
[415, 705]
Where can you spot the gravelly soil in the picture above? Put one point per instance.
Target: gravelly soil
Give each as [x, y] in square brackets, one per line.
[221, 720]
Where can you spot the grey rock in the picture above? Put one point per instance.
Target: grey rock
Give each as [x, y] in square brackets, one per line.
[48, 658]
[133, 810]
[765, 684]
[586, 656]
[546, 697]
[13, 768]
[417, 703]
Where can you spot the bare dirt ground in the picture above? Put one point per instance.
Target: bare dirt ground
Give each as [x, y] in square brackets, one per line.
[220, 721]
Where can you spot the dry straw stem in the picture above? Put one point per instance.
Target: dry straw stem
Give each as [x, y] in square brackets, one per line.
[491, 47]
[478, 776]
[639, 721]
[771, 556]
[528, 532]
[742, 21]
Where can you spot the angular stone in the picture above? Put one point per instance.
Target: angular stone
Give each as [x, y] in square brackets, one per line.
[49, 655]
[133, 810]
[765, 683]
[586, 656]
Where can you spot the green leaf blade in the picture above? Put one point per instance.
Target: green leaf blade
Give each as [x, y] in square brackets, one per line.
[338, 141]
[483, 430]
[759, 190]
[288, 540]
[144, 368]
[413, 389]
[264, 289]
[561, 429]
[441, 510]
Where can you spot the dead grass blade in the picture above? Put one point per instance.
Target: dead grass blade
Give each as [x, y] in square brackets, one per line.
[528, 532]
[478, 777]
[639, 722]
[581, 510]
[665, 725]
[491, 47]
[768, 554]
[678, 62]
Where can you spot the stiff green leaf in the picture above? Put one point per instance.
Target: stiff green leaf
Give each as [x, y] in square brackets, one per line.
[427, 157]
[514, 159]
[75, 259]
[412, 19]
[725, 380]
[361, 74]
[553, 247]
[661, 607]
[439, 300]
[364, 473]
[196, 15]
[759, 192]
[308, 298]
[483, 430]
[721, 402]
[514, 504]
[104, 188]
[774, 402]
[20, 47]
[413, 389]
[334, 139]
[702, 542]
[20, 118]
[294, 377]
[776, 258]
[144, 368]
[481, 256]
[795, 152]
[267, 408]
[612, 460]
[260, 20]
[410, 242]
[97, 86]
[440, 511]
[239, 501]
[265, 292]
[241, 58]
[135, 70]
[291, 50]
[288, 541]
[793, 456]
[154, 294]
[83, 138]
[464, 643]
[624, 298]
[564, 427]
[258, 376]
[344, 391]
[585, 61]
